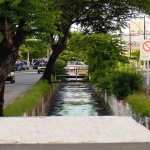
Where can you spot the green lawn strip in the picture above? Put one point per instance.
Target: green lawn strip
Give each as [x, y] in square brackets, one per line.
[140, 104]
[28, 101]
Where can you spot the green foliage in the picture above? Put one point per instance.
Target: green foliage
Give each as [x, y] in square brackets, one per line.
[125, 81]
[25, 103]
[39, 21]
[75, 50]
[135, 55]
[59, 67]
[36, 49]
[140, 104]
[103, 54]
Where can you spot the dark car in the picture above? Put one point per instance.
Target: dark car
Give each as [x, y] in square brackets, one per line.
[36, 64]
[26, 63]
[11, 77]
[24, 66]
[17, 67]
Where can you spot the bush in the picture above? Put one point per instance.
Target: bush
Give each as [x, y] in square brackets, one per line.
[59, 67]
[125, 82]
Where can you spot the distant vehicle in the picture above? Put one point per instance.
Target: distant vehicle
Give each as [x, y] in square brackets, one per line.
[11, 77]
[76, 67]
[41, 67]
[17, 67]
[24, 66]
[33, 61]
[26, 63]
[36, 64]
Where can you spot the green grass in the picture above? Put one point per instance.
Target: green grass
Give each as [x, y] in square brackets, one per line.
[28, 101]
[140, 104]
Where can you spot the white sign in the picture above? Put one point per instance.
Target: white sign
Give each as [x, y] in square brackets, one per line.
[145, 50]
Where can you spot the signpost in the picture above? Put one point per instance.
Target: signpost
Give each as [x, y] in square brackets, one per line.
[145, 55]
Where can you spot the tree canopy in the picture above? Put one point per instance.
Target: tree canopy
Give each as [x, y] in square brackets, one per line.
[20, 19]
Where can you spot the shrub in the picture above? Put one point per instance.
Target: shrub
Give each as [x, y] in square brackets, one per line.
[59, 67]
[125, 81]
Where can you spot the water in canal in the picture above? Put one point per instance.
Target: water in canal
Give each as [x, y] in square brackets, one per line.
[76, 99]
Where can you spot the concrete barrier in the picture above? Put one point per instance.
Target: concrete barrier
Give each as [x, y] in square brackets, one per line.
[71, 133]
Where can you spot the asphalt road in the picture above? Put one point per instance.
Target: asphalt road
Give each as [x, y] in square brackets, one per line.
[24, 81]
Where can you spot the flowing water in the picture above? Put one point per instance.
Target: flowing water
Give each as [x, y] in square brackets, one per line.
[76, 99]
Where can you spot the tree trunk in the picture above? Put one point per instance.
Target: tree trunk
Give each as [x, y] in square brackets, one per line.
[56, 51]
[2, 89]
[6, 66]
[9, 47]
[49, 68]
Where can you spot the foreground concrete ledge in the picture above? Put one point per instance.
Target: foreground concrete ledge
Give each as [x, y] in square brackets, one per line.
[72, 130]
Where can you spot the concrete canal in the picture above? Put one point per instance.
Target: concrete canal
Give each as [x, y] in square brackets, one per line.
[77, 99]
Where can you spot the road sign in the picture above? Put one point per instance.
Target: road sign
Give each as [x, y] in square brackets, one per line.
[145, 50]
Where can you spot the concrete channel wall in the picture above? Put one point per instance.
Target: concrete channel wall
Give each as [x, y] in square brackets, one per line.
[45, 102]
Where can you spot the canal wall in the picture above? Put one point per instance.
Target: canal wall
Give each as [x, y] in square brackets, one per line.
[121, 108]
[45, 102]
[102, 102]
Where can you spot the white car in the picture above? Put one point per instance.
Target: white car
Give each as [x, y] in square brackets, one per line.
[11, 77]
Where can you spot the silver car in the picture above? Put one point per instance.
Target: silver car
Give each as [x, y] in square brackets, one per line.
[11, 77]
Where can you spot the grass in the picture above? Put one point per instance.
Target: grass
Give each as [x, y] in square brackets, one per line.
[28, 101]
[140, 104]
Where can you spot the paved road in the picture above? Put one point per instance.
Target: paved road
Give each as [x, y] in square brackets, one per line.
[24, 81]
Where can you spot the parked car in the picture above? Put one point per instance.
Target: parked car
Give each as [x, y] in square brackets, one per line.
[26, 63]
[11, 77]
[24, 66]
[36, 64]
[41, 67]
[33, 61]
[17, 67]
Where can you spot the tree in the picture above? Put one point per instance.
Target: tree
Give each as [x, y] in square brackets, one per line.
[75, 48]
[125, 80]
[104, 51]
[36, 49]
[94, 16]
[20, 19]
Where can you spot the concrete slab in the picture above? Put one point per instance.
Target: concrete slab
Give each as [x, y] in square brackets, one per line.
[64, 132]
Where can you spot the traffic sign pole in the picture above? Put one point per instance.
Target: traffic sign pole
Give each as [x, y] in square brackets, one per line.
[147, 72]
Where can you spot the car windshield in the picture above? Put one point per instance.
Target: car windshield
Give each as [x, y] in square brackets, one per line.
[40, 65]
[17, 65]
[21, 63]
[37, 63]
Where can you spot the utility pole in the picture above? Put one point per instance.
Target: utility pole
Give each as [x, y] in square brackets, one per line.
[144, 29]
[130, 44]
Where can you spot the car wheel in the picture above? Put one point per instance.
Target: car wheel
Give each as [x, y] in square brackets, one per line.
[12, 81]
